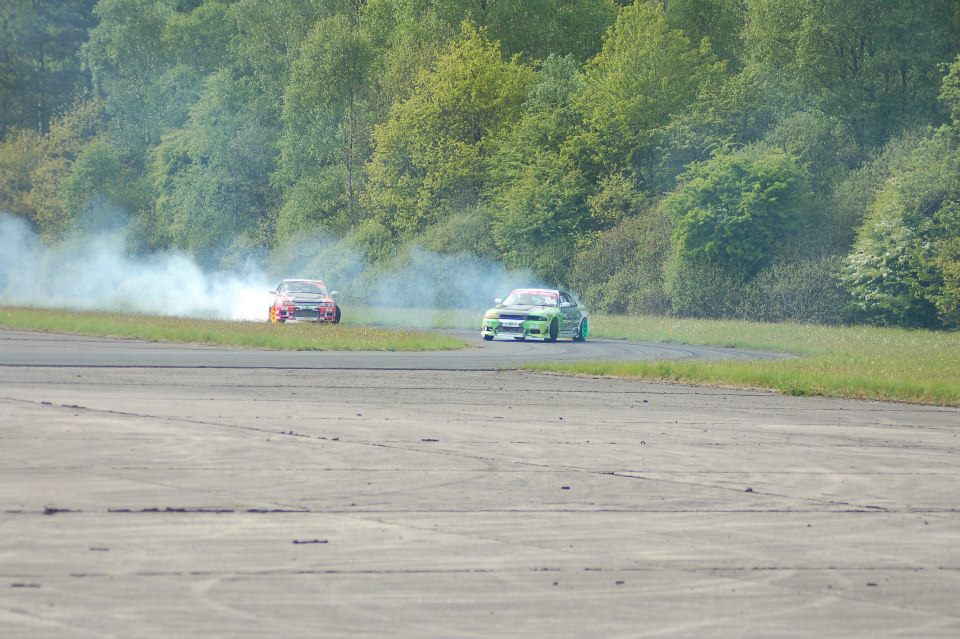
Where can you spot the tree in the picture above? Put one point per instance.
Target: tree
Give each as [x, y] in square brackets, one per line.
[328, 104]
[646, 74]
[200, 38]
[719, 21]
[97, 178]
[871, 63]
[904, 266]
[20, 155]
[413, 33]
[537, 193]
[267, 41]
[737, 208]
[58, 149]
[431, 156]
[212, 175]
[126, 55]
[621, 270]
[40, 71]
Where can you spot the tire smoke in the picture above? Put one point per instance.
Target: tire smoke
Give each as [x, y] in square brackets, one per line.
[95, 271]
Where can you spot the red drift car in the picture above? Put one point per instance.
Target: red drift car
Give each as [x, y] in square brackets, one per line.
[303, 301]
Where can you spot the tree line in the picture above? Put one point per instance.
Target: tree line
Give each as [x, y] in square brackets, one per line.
[763, 159]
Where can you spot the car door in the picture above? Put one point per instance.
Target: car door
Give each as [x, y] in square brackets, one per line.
[571, 313]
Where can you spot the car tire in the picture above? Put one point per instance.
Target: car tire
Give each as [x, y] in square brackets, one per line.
[488, 337]
[579, 336]
[336, 316]
[554, 331]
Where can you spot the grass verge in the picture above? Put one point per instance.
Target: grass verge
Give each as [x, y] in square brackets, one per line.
[413, 317]
[293, 337]
[913, 366]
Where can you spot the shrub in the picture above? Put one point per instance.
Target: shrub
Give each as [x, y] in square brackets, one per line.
[735, 210]
[621, 270]
[902, 269]
[803, 290]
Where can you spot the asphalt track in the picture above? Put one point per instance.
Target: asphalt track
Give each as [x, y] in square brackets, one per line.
[155, 491]
[32, 349]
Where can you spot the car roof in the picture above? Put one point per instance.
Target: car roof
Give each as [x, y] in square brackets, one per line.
[535, 290]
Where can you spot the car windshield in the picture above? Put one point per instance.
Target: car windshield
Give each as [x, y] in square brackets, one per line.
[531, 297]
[302, 287]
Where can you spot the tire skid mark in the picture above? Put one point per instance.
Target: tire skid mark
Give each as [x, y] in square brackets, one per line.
[484, 458]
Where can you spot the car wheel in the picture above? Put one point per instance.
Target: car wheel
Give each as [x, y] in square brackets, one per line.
[579, 336]
[488, 337]
[336, 316]
[554, 331]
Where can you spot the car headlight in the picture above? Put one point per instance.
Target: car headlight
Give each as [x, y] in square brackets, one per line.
[491, 315]
[536, 318]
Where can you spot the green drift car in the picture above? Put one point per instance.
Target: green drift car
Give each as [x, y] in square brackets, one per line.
[538, 313]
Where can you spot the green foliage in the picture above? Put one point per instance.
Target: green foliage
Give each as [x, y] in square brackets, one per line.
[538, 195]
[950, 91]
[736, 209]
[699, 157]
[465, 232]
[853, 194]
[824, 144]
[621, 270]
[903, 266]
[415, 32]
[327, 124]
[537, 29]
[212, 176]
[870, 63]
[267, 41]
[703, 288]
[645, 74]
[125, 54]
[55, 154]
[795, 289]
[199, 37]
[40, 72]
[95, 176]
[19, 156]
[430, 156]
[538, 217]
[718, 21]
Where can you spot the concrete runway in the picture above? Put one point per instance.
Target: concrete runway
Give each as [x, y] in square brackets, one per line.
[196, 494]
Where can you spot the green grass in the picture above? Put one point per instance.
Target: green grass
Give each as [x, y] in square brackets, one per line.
[413, 317]
[863, 362]
[294, 337]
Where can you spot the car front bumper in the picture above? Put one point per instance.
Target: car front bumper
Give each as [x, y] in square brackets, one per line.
[316, 314]
[516, 328]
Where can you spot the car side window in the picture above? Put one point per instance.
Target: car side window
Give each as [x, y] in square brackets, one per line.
[567, 298]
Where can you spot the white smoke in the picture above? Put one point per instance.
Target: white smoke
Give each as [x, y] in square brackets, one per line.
[94, 271]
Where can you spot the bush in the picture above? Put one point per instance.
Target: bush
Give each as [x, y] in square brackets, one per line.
[902, 269]
[464, 232]
[737, 209]
[702, 288]
[621, 270]
[798, 291]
